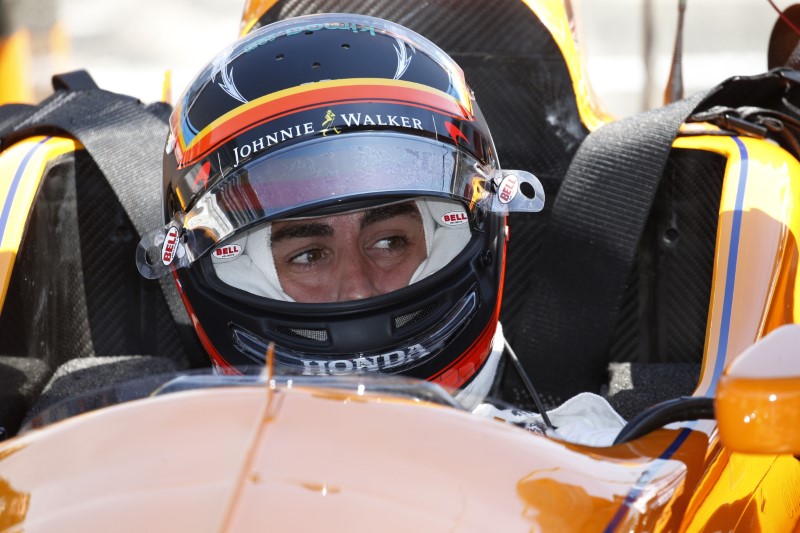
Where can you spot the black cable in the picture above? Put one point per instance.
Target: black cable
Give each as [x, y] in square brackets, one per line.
[528, 385]
[666, 412]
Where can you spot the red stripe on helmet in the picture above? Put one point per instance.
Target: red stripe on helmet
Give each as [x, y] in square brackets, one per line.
[268, 108]
[218, 361]
[462, 369]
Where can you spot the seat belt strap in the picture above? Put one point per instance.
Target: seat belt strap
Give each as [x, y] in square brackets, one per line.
[589, 249]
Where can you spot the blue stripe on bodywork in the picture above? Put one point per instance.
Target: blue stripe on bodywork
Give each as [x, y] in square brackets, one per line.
[647, 476]
[725, 327]
[730, 275]
[12, 191]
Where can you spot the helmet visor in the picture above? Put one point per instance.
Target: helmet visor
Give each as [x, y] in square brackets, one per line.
[323, 172]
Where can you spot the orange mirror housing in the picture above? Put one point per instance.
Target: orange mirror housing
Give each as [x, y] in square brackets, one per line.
[758, 398]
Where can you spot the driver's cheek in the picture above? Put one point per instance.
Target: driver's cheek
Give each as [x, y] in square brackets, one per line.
[392, 271]
[309, 286]
[349, 277]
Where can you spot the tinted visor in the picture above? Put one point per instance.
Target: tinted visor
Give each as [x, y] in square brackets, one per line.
[305, 177]
[331, 171]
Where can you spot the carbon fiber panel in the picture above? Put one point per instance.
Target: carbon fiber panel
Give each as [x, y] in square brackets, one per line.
[45, 312]
[126, 313]
[664, 312]
[75, 290]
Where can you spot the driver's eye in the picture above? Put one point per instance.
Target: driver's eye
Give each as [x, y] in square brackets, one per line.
[307, 257]
[391, 243]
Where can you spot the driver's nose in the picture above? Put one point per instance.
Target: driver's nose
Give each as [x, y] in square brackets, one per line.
[355, 279]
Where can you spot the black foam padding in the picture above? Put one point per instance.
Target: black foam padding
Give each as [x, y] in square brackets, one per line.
[633, 387]
[85, 374]
[21, 381]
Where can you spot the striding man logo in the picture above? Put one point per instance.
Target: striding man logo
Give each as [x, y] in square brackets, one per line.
[330, 116]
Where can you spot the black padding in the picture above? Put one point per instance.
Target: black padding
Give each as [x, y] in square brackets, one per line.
[126, 313]
[634, 387]
[125, 140]
[21, 381]
[44, 315]
[664, 309]
[75, 290]
[82, 375]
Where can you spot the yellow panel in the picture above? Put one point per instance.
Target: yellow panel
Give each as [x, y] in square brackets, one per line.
[253, 10]
[752, 493]
[756, 493]
[556, 18]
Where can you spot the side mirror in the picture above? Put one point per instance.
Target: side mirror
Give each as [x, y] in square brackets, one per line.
[758, 398]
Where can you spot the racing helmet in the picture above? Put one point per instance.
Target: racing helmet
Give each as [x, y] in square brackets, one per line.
[320, 116]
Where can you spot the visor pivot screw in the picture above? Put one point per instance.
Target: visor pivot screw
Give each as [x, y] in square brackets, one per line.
[152, 255]
[486, 258]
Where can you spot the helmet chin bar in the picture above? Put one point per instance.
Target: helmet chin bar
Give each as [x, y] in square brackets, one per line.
[400, 359]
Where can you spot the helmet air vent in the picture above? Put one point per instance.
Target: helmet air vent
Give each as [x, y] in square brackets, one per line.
[319, 335]
[415, 316]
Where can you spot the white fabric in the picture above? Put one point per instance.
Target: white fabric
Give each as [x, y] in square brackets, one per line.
[254, 269]
[260, 250]
[586, 419]
[477, 390]
[448, 240]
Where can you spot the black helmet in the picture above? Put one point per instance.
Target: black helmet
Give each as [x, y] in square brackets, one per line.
[318, 116]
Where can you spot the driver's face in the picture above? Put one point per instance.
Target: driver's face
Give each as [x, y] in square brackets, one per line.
[349, 256]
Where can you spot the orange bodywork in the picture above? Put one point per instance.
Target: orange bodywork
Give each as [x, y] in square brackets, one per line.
[753, 293]
[242, 459]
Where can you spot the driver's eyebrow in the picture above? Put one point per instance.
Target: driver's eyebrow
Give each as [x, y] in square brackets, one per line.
[301, 230]
[384, 212]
